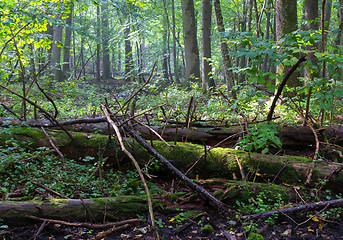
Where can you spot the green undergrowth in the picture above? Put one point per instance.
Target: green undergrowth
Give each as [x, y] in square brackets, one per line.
[20, 166]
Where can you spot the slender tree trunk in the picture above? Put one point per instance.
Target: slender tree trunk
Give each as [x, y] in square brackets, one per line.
[98, 46]
[55, 60]
[310, 15]
[106, 64]
[286, 22]
[339, 40]
[206, 75]
[224, 49]
[243, 60]
[190, 40]
[67, 42]
[176, 70]
[128, 55]
[119, 58]
[265, 63]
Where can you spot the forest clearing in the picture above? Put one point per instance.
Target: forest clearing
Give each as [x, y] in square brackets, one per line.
[171, 119]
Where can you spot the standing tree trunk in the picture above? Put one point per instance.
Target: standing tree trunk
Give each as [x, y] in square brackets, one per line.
[67, 42]
[98, 47]
[286, 22]
[128, 55]
[206, 76]
[224, 50]
[119, 59]
[311, 23]
[106, 64]
[190, 40]
[55, 60]
[176, 70]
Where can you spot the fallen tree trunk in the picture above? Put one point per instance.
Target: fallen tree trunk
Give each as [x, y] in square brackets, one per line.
[113, 209]
[289, 135]
[218, 162]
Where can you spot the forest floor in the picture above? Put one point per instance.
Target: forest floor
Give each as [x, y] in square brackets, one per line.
[283, 228]
[203, 223]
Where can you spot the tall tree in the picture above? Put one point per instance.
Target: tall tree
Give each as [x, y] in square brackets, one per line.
[207, 79]
[98, 46]
[55, 60]
[67, 41]
[286, 22]
[106, 64]
[128, 54]
[310, 15]
[224, 50]
[176, 71]
[190, 40]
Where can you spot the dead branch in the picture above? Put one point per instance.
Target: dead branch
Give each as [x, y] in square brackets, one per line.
[51, 118]
[86, 225]
[188, 182]
[54, 146]
[49, 190]
[294, 210]
[110, 121]
[283, 84]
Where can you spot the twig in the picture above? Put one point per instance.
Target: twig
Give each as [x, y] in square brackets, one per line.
[142, 113]
[188, 182]
[240, 168]
[87, 225]
[156, 133]
[12, 112]
[51, 118]
[191, 165]
[301, 208]
[283, 84]
[188, 120]
[102, 235]
[9, 40]
[54, 146]
[49, 98]
[134, 94]
[117, 131]
[49, 190]
[39, 230]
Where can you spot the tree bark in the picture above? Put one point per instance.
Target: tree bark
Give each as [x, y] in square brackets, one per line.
[74, 209]
[224, 50]
[206, 75]
[67, 41]
[176, 70]
[98, 46]
[55, 60]
[128, 55]
[106, 64]
[286, 22]
[219, 162]
[190, 40]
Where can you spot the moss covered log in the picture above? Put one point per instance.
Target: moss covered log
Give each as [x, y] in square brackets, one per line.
[113, 209]
[219, 162]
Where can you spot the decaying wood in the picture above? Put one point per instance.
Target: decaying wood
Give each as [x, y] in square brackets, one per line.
[294, 210]
[86, 224]
[289, 135]
[121, 207]
[219, 162]
[49, 190]
[188, 182]
[135, 163]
